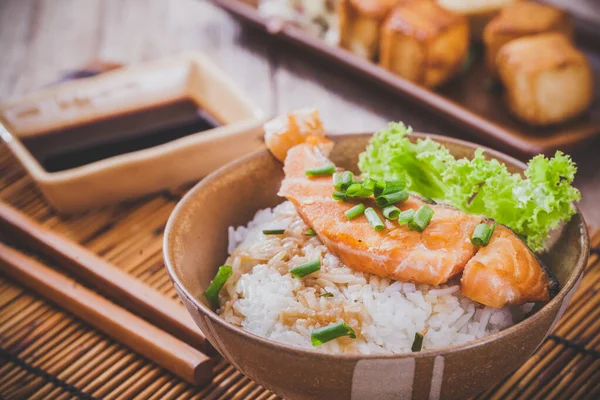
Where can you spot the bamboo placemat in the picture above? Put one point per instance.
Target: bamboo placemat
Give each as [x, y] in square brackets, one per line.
[48, 353]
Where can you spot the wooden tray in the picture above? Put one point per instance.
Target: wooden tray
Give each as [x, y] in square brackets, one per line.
[46, 352]
[463, 101]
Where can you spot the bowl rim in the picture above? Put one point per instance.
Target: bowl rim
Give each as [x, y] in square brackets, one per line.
[570, 285]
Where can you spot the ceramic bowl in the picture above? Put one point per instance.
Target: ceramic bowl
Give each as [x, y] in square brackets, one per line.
[196, 244]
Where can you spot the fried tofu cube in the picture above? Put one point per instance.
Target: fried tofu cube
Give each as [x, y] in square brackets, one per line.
[424, 43]
[547, 80]
[360, 23]
[522, 19]
[478, 12]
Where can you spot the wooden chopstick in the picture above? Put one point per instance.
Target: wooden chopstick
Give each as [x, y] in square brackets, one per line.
[104, 277]
[155, 344]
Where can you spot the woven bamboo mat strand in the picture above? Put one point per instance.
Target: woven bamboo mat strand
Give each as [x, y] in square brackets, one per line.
[56, 356]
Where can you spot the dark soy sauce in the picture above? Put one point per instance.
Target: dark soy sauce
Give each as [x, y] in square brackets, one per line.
[83, 144]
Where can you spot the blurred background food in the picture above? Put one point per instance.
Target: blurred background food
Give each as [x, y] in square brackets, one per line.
[546, 79]
[429, 42]
[479, 12]
[315, 16]
[360, 24]
[522, 19]
[424, 43]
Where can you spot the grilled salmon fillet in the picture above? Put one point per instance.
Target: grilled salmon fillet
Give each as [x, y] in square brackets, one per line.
[431, 257]
[504, 272]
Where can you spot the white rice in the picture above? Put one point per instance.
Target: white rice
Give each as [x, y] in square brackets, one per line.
[264, 298]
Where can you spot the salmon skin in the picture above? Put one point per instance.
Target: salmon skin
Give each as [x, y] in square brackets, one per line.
[505, 271]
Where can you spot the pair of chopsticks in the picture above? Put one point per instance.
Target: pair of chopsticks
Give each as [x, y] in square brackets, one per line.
[174, 350]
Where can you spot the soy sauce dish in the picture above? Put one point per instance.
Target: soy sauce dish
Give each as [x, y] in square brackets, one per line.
[348, 342]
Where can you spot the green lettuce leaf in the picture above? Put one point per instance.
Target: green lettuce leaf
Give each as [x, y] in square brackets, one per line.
[532, 205]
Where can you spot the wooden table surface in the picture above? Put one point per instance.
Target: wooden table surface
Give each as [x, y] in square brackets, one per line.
[42, 39]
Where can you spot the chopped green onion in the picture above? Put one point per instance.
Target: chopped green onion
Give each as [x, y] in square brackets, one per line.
[306, 269]
[385, 187]
[406, 216]
[391, 198]
[328, 333]
[428, 200]
[379, 188]
[391, 212]
[339, 196]
[337, 180]
[324, 170]
[347, 179]
[353, 189]
[374, 219]
[273, 231]
[355, 211]
[212, 292]
[366, 191]
[358, 190]
[310, 232]
[482, 234]
[421, 219]
[417, 343]
[326, 294]
[369, 184]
